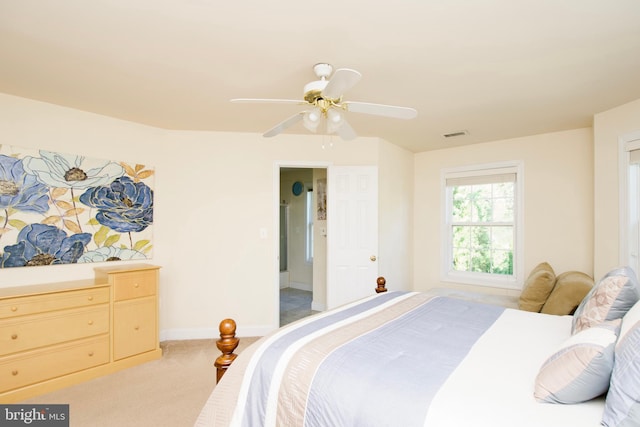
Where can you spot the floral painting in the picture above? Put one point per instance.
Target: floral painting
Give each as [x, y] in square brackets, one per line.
[60, 208]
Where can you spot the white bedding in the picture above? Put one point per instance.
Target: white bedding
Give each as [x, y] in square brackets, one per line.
[506, 377]
[492, 385]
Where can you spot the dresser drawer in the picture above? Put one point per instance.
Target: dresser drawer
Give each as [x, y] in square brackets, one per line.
[36, 366]
[38, 330]
[21, 306]
[135, 284]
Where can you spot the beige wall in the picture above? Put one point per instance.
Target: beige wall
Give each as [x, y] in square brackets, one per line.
[214, 191]
[608, 127]
[558, 204]
[395, 221]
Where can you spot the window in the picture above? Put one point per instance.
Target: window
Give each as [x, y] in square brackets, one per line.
[309, 218]
[481, 231]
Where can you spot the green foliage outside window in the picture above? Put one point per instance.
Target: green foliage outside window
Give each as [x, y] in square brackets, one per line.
[482, 228]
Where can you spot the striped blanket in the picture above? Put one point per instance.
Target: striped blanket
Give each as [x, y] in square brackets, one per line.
[381, 361]
[381, 358]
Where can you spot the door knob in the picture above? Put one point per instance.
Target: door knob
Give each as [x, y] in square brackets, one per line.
[373, 258]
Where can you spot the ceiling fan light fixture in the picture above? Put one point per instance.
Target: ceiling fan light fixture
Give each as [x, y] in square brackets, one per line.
[335, 116]
[311, 119]
[335, 119]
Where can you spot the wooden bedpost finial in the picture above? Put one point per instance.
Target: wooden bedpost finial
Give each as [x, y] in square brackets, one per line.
[226, 344]
[381, 285]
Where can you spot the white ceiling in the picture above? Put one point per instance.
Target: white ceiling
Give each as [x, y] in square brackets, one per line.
[497, 68]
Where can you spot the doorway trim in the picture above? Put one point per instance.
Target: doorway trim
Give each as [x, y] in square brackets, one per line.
[626, 143]
[279, 164]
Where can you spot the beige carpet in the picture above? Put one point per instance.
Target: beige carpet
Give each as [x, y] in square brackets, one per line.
[167, 392]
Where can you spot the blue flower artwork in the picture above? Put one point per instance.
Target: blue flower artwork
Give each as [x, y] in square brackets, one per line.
[58, 208]
[123, 205]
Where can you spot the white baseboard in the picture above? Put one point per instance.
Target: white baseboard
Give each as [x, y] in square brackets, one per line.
[301, 286]
[284, 279]
[189, 334]
[316, 306]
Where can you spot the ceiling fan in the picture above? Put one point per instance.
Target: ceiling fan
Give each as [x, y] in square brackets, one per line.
[324, 108]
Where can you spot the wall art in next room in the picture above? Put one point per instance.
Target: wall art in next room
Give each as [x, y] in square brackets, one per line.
[60, 208]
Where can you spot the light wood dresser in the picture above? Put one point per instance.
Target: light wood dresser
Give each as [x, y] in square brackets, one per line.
[58, 334]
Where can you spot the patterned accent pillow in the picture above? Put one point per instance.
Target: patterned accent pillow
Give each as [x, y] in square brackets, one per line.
[622, 407]
[609, 299]
[581, 369]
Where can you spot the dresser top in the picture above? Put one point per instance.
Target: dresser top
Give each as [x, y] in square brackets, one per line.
[72, 285]
[45, 288]
[126, 268]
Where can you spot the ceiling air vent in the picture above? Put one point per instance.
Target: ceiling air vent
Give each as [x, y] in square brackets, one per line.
[454, 134]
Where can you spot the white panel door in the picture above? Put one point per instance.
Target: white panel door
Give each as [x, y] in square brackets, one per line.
[352, 233]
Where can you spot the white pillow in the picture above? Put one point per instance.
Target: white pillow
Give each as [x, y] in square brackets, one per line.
[581, 369]
[622, 407]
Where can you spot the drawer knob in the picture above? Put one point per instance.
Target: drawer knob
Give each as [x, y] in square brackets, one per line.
[91, 298]
[91, 354]
[14, 336]
[14, 373]
[136, 327]
[135, 285]
[90, 322]
[14, 308]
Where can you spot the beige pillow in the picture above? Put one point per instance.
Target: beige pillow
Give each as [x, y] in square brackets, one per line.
[571, 288]
[537, 288]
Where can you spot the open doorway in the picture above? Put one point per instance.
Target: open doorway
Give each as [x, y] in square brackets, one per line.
[302, 242]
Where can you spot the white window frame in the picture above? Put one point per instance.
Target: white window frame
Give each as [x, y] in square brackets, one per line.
[447, 274]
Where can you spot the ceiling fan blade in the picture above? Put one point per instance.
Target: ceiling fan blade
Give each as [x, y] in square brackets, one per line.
[342, 80]
[267, 101]
[381, 110]
[283, 125]
[346, 132]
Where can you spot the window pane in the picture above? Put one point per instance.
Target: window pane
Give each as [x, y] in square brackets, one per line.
[503, 209]
[483, 191]
[481, 210]
[503, 189]
[487, 246]
[309, 226]
[461, 258]
[502, 262]
[480, 238]
[461, 236]
[461, 207]
[502, 237]
[480, 260]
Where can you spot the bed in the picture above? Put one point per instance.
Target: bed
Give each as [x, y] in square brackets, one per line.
[418, 359]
